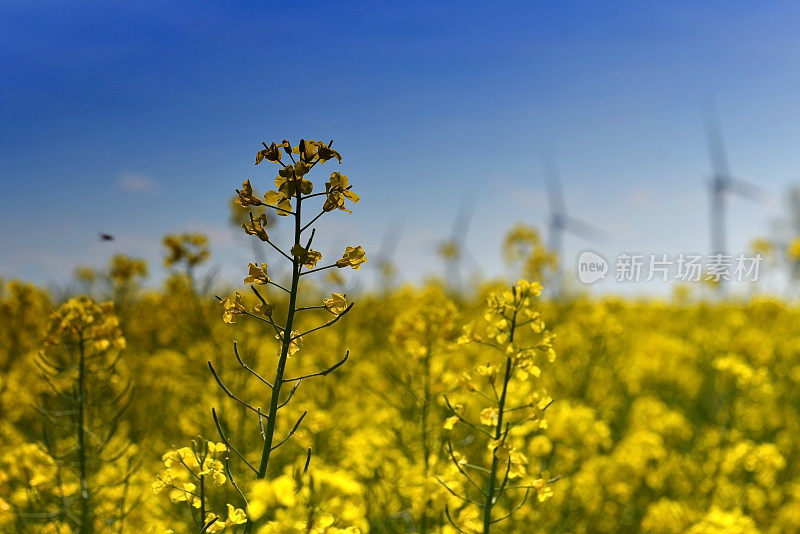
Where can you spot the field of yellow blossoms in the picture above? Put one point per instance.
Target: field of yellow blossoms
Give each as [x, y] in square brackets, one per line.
[304, 404]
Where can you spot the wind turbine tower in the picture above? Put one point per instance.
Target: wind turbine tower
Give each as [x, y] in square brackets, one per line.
[560, 222]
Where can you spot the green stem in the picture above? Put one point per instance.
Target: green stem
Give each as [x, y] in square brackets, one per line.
[269, 431]
[501, 404]
[426, 400]
[489, 503]
[202, 501]
[86, 525]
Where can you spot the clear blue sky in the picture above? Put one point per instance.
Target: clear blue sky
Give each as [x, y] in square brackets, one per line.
[139, 119]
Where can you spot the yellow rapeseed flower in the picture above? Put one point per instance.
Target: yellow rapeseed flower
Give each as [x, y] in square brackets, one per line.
[257, 275]
[352, 257]
[336, 304]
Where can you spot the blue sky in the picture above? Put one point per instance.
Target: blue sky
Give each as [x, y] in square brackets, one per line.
[139, 119]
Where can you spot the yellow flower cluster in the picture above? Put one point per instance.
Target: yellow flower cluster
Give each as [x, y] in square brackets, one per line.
[505, 396]
[184, 467]
[191, 248]
[124, 269]
[188, 476]
[321, 501]
[80, 321]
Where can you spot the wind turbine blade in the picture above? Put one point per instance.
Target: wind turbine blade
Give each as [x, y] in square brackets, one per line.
[583, 229]
[462, 221]
[748, 190]
[716, 143]
[476, 269]
[553, 237]
[552, 182]
[389, 243]
[555, 193]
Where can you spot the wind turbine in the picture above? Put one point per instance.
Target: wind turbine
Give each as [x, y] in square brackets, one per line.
[453, 250]
[722, 183]
[560, 222]
[386, 269]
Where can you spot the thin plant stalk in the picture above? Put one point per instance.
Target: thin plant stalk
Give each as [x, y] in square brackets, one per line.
[274, 402]
[498, 434]
[86, 524]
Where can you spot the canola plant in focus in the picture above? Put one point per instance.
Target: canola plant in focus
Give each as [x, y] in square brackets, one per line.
[284, 406]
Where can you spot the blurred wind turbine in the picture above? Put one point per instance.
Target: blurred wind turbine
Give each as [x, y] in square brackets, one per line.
[386, 269]
[560, 222]
[453, 250]
[723, 184]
